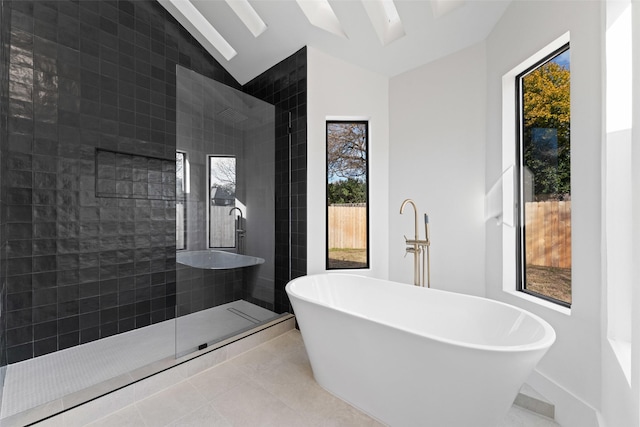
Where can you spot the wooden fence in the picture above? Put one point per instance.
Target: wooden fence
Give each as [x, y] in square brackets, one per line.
[347, 226]
[548, 233]
[222, 227]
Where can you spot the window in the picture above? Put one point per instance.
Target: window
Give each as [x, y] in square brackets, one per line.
[222, 199]
[181, 191]
[347, 195]
[544, 178]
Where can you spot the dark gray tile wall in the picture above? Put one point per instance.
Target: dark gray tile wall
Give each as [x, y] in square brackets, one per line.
[84, 76]
[5, 21]
[203, 130]
[285, 86]
[199, 135]
[128, 176]
[200, 289]
[96, 74]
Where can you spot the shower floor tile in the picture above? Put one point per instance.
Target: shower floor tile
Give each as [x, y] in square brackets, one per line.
[196, 328]
[37, 381]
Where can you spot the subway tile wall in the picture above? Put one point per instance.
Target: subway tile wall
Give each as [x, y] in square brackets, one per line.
[88, 75]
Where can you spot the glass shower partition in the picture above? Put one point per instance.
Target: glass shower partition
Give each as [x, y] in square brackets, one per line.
[225, 212]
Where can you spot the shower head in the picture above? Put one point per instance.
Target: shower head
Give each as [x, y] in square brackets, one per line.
[231, 115]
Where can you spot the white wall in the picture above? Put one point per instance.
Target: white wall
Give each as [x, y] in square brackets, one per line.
[445, 151]
[570, 373]
[437, 139]
[635, 332]
[336, 89]
[620, 360]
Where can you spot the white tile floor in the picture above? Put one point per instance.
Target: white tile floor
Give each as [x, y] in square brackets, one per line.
[55, 376]
[269, 385]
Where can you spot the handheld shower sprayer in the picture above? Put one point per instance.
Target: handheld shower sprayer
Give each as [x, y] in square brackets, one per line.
[428, 246]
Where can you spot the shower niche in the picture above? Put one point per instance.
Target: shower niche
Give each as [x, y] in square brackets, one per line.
[225, 202]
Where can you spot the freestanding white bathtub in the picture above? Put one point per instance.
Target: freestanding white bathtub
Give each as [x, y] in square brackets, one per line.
[411, 356]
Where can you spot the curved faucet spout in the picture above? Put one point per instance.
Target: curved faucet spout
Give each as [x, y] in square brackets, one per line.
[415, 249]
[240, 232]
[239, 210]
[415, 213]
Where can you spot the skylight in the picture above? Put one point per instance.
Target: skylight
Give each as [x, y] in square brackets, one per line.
[205, 28]
[248, 16]
[321, 15]
[390, 10]
[385, 19]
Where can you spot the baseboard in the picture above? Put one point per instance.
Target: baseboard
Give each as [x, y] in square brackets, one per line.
[570, 410]
[530, 399]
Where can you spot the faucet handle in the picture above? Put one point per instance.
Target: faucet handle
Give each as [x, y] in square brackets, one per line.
[410, 250]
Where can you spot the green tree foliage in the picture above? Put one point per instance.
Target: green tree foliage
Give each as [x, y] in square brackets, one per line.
[546, 130]
[347, 191]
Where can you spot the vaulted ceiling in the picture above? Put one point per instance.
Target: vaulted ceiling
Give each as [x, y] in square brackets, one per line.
[362, 32]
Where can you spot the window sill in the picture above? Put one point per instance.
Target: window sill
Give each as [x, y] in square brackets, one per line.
[540, 302]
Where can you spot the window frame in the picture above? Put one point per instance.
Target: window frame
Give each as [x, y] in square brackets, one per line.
[209, 158]
[181, 197]
[521, 269]
[365, 122]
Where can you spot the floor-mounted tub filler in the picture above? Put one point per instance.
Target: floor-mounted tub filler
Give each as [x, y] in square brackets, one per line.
[412, 356]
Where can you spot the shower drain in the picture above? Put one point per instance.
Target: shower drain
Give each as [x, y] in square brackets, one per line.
[243, 315]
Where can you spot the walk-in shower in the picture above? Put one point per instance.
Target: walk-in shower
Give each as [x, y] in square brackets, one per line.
[205, 290]
[225, 204]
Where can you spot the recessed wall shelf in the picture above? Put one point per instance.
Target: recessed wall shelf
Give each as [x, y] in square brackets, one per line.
[131, 176]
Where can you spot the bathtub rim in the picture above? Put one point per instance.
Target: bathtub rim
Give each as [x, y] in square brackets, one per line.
[543, 343]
